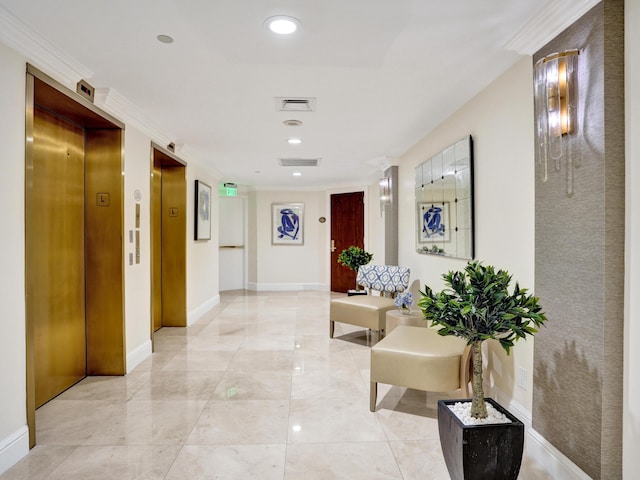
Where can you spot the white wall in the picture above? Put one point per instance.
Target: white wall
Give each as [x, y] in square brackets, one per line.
[291, 267]
[500, 120]
[202, 256]
[137, 280]
[14, 441]
[374, 224]
[631, 419]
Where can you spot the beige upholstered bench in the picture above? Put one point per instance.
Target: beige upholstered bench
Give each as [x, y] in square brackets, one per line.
[419, 358]
[369, 311]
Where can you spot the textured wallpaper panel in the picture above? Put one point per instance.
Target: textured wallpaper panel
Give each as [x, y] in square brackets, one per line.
[580, 259]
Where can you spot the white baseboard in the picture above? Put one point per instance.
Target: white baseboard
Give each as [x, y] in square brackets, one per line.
[286, 287]
[139, 355]
[551, 459]
[194, 315]
[548, 457]
[13, 448]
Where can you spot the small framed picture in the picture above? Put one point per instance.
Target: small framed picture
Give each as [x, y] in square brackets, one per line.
[287, 221]
[202, 225]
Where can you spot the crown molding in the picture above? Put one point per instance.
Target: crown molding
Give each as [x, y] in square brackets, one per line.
[41, 52]
[551, 20]
[68, 71]
[112, 101]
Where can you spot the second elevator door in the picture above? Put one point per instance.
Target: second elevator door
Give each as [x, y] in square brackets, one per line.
[57, 249]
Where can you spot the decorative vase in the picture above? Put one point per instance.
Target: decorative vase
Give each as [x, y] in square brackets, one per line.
[405, 310]
[479, 452]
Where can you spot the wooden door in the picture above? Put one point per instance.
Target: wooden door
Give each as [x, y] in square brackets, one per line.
[347, 228]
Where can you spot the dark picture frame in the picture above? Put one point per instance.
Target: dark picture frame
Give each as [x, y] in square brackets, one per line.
[202, 209]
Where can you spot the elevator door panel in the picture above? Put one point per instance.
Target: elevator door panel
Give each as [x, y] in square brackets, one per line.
[56, 246]
[156, 239]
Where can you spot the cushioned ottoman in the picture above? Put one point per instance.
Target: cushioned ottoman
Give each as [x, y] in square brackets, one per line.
[419, 358]
[365, 311]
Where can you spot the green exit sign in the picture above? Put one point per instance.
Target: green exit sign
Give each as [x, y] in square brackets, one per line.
[229, 189]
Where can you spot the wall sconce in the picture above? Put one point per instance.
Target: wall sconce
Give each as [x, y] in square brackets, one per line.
[556, 100]
[385, 193]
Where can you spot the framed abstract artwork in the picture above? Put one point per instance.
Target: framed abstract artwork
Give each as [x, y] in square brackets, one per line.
[202, 224]
[444, 202]
[287, 220]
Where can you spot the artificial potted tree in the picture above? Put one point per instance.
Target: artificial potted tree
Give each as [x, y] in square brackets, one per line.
[353, 258]
[476, 306]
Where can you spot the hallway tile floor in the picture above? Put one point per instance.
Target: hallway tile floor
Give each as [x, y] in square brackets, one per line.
[255, 389]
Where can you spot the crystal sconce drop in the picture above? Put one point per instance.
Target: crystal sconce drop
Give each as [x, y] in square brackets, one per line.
[556, 101]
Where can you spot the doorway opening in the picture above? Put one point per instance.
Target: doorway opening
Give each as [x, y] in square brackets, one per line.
[73, 242]
[232, 227]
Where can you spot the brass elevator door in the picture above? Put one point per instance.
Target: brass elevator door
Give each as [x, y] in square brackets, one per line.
[56, 247]
[156, 238]
[168, 241]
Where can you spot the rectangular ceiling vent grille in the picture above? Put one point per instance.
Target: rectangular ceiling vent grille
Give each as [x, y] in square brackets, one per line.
[299, 162]
[296, 104]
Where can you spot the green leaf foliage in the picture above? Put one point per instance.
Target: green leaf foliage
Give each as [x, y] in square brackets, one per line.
[354, 257]
[477, 306]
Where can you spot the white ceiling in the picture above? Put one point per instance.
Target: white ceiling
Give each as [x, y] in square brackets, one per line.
[384, 73]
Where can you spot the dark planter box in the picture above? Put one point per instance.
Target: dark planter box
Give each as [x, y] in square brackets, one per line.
[351, 293]
[480, 452]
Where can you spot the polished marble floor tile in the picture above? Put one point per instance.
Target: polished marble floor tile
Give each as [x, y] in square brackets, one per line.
[254, 385]
[242, 422]
[180, 385]
[341, 461]
[41, 461]
[116, 463]
[255, 389]
[204, 462]
[149, 422]
[333, 420]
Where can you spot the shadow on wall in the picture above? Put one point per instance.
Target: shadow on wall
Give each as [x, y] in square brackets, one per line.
[556, 385]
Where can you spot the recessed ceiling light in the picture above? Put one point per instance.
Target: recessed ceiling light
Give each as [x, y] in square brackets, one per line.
[292, 123]
[294, 141]
[164, 39]
[282, 24]
[297, 174]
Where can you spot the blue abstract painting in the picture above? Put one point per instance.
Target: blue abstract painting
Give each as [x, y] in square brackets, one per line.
[434, 220]
[287, 223]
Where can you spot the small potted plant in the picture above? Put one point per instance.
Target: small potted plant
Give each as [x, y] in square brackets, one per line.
[477, 306]
[403, 301]
[353, 258]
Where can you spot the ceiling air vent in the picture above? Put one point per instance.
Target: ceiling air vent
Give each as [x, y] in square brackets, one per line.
[299, 162]
[295, 104]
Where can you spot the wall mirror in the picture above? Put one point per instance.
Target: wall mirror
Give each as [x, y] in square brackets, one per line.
[444, 202]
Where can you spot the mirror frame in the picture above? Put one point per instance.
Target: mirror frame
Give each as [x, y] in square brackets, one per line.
[444, 197]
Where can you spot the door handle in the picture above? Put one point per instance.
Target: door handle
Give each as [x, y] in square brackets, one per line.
[333, 246]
